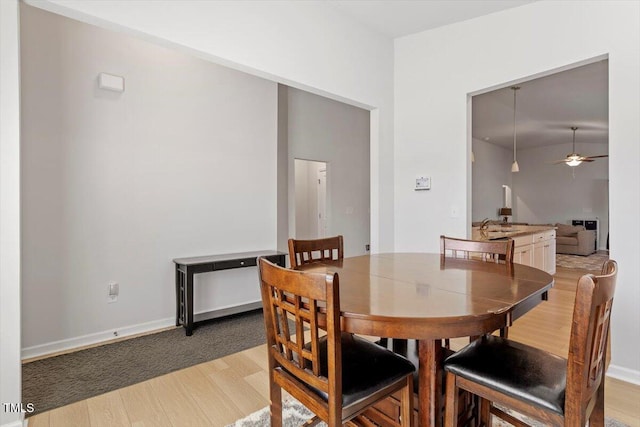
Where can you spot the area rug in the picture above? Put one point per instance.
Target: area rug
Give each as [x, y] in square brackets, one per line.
[295, 414]
[591, 262]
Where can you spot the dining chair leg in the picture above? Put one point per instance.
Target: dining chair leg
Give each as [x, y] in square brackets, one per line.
[275, 393]
[406, 403]
[484, 412]
[597, 415]
[451, 401]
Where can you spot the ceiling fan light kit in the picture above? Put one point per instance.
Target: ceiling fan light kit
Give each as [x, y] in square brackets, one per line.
[514, 165]
[574, 159]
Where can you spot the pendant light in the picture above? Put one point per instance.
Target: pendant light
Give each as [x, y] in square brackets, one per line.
[514, 165]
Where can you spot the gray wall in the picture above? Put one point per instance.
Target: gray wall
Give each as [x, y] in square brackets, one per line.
[490, 171]
[542, 192]
[116, 185]
[324, 130]
[548, 193]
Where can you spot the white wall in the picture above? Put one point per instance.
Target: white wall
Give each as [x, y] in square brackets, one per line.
[298, 43]
[116, 185]
[306, 45]
[490, 171]
[325, 130]
[436, 70]
[10, 366]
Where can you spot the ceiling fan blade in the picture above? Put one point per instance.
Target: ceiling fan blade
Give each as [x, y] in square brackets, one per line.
[557, 162]
[597, 157]
[587, 159]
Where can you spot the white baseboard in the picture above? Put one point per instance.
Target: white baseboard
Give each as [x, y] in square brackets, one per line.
[126, 331]
[17, 423]
[95, 338]
[624, 374]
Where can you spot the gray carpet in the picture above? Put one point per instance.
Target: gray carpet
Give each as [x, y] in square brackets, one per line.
[68, 378]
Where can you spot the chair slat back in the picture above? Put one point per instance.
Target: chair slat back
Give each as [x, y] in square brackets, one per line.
[589, 335]
[309, 251]
[487, 250]
[299, 297]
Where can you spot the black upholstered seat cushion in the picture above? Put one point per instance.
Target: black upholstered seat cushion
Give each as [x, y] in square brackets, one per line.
[366, 367]
[517, 370]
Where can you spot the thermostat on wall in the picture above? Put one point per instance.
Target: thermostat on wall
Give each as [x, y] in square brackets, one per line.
[423, 183]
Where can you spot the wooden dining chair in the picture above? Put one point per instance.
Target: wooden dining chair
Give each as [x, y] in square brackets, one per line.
[535, 383]
[487, 250]
[337, 376]
[310, 251]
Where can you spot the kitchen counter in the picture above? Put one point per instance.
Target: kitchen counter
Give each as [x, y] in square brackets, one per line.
[495, 232]
[534, 245]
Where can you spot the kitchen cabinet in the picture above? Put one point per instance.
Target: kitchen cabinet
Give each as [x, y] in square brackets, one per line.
[536, 250]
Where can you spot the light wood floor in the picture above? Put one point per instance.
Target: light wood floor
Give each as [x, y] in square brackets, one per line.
[219, 392]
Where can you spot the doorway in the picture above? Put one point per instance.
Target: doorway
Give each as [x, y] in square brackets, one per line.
[310, 188]
[545, 190]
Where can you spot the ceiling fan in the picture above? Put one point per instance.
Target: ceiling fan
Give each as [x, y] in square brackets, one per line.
[574, 159]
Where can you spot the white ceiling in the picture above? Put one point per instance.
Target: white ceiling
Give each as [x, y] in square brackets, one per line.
[397, 18]
[546, 107]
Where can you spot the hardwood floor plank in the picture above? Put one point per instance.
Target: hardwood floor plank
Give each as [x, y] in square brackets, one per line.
[260, 382]
[40, 420]
[211, 399]
[177, 402]
[242, 363]
[258, 355]
[143, 407]
[107, 410]
[74, 415]
[242, 394]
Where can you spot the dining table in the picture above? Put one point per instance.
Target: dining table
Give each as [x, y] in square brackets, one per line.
[429, 298]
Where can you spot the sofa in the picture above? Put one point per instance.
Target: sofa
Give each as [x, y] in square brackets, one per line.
[574, 240]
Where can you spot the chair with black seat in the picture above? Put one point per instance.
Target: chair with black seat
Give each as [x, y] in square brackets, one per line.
[535, 383]
[337, 376]
[487, 250]
[309, 251]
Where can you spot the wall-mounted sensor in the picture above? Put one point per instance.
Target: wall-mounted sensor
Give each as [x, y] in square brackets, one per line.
[111, 82]
[423, 183]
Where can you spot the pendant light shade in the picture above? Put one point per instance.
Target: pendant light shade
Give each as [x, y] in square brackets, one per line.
[514, 165]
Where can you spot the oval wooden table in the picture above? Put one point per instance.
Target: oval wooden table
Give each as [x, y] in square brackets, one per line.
[429, 298]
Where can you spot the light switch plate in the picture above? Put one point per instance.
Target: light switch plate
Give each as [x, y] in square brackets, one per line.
[111, 82]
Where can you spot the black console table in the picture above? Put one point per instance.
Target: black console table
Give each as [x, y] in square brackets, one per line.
[187, 267]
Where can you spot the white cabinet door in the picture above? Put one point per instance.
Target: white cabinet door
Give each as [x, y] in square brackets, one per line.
[550, 256]
[523, 255]
[539, 256]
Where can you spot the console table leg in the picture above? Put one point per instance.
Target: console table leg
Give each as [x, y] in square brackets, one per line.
[179, 295]
[188, 306]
